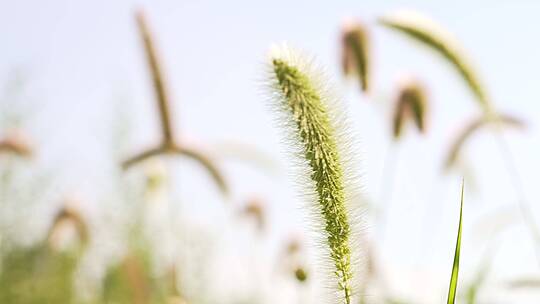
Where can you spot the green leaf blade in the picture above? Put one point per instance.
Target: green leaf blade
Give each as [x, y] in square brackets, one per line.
[455, 267]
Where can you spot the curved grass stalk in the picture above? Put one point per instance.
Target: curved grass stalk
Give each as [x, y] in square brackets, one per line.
[194, 154]
[207, 163]
[168, 144]
[499, 121]
[162, 97]
[426, 31]
[472, 128]
[524, 283]
[355, 48]
[411, 104]
[522, 204]
[144, 155]
[307, 110]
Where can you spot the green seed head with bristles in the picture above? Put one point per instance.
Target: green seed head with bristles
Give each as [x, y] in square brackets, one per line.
[309, 113]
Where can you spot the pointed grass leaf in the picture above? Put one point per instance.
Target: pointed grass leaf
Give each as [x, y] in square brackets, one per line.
[452, 291]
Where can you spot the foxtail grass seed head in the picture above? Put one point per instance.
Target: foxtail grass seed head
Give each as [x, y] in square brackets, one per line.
[308, 111]
[293, 247]
[68, 217]
[300, 274]
[355, 52]
[16, 143]
[254, 209]
[294, 259]
[411, 104]
[426, 31]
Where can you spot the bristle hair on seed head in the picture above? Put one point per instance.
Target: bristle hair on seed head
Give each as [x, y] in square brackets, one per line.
[317, 127]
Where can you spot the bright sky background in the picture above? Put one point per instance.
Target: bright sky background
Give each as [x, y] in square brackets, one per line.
[83, 59]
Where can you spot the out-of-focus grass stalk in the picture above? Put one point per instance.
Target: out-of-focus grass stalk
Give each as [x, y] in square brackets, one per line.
[426, 31]
[479, 280]
[158, 80]
[522, 203]
[473, 127]
[168, 144]
[411, 104]
[500, 121]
